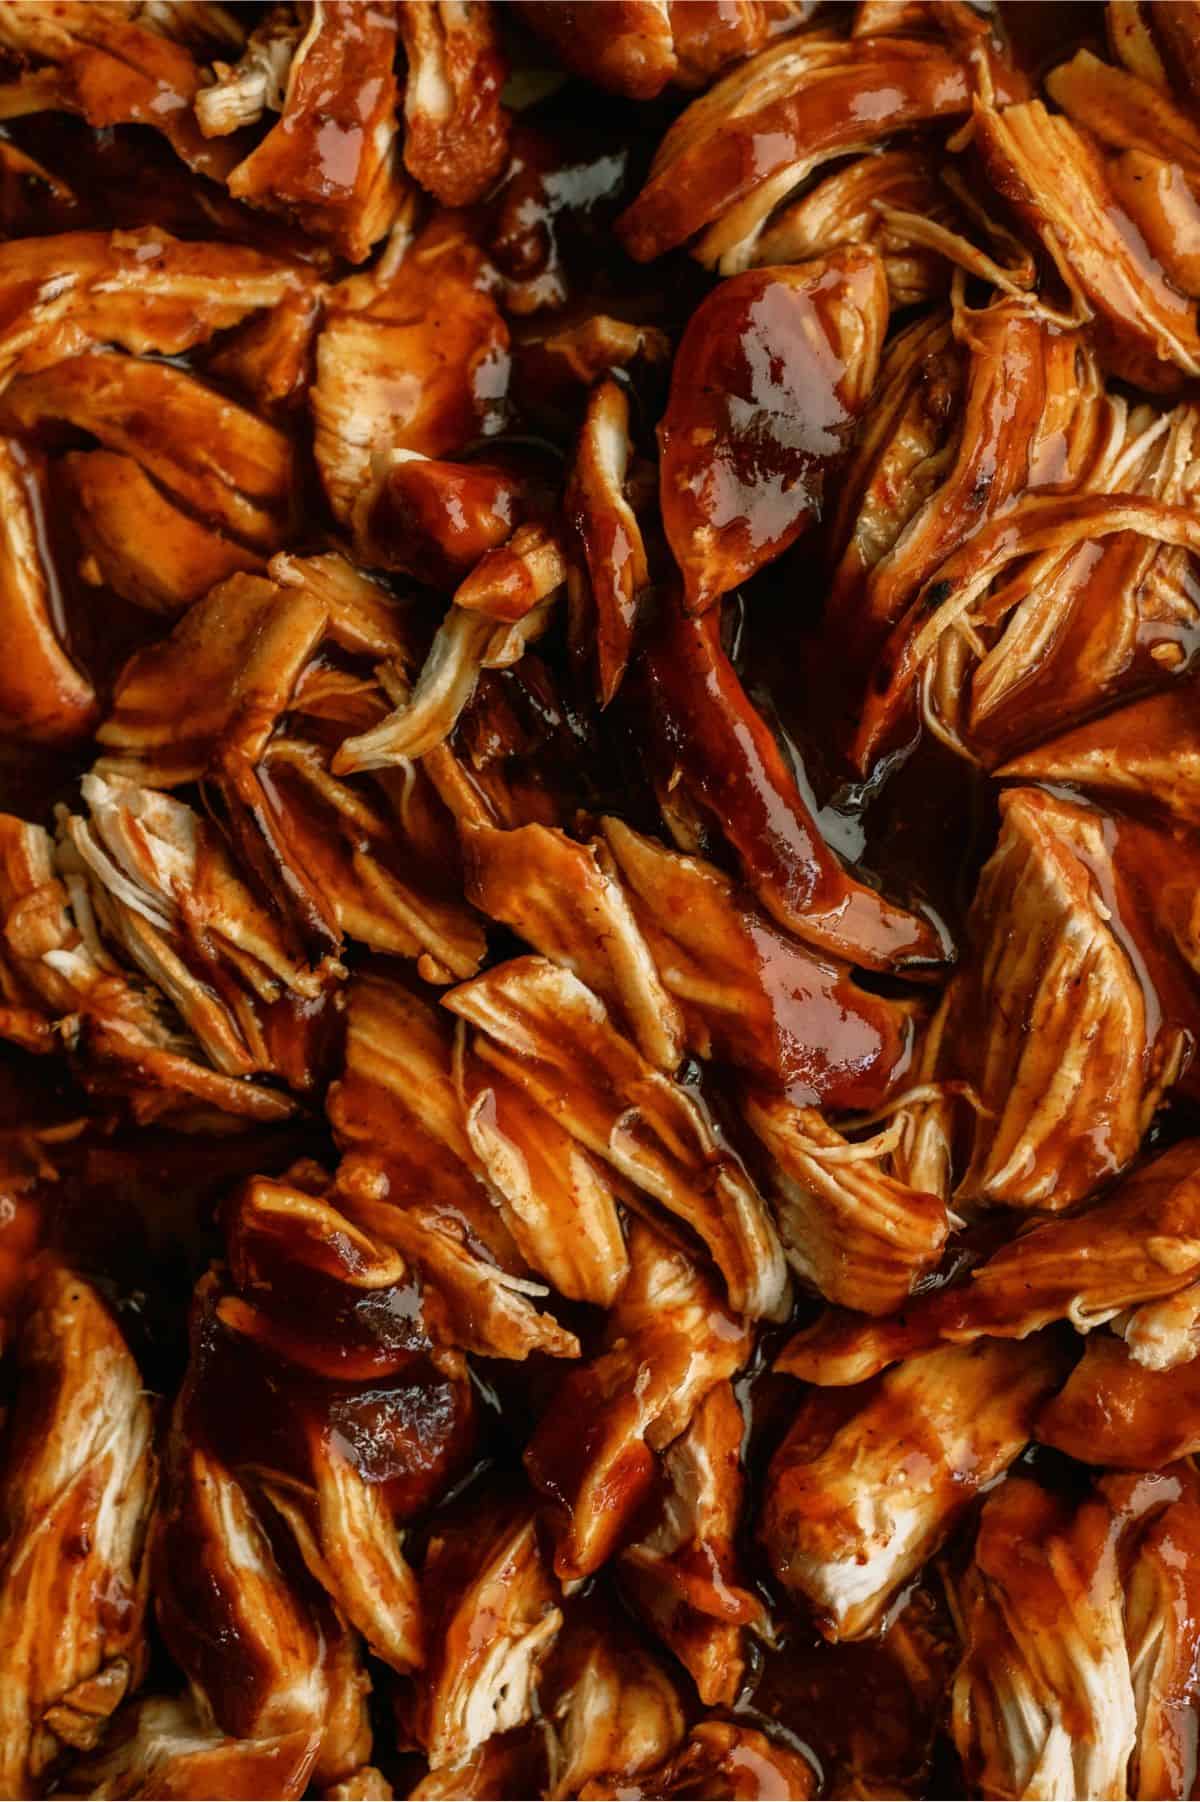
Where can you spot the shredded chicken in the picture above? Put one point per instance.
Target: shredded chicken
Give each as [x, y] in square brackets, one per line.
[740, 149]
[670, 1340]
[76, 1494]
[854, 1506]
[541, 1027]
[456, 131]
[494, 1616]
[331, 159]
[683, 1576]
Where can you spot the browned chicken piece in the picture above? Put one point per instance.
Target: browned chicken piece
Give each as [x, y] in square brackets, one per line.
[905, 445]
[493, 1614]
[113, 69]
[138, 543]
[560, 898]
[627, 46]
[1177, 33]
[1054, 177]
[165, 1749]
[1043, 1701]
[547, 1032]
[279, 1235]
[717, 767]
[435, 519]
[850, 1228]
[347, 1422]
[876, 201]
[257, 82]
[125, 1035]
[469, 640]
[413, 1179]
[772, 372]
[588, 349]
[514, 1763]
[1125, 111]
[1052, 1024]
[721, 1762]
[1115, 1410]
[927, 472]
[558, 1201]
[669, 1340]
[75, 1497]
[711, 34]
[220, 1590]
[235, 656]
[742, 147]
[1146, 751]
[1163, 1334]
[354, 860]
[331, 162]
[752, 995]
[1131, 41]
[167, 896]
[858, 1498]
[419, 361]
[509, 585]
[1162, 1634]
[455, 130]
[609, 575]
[271, 359]
[635, 47]
[683, 1576]
[143, 290]
[611, 1705]
[44, 696]
[228, 466]
[1138, 1244]
[994, 653]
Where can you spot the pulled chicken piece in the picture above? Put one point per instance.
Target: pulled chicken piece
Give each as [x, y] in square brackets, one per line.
[257, 82]
[111, 64]
[139, 543]
[772, 371]
[493, 1612]
[613, 573]
[612, 1705]
[743, 146]
[1080, 1639]
[1116, 1410]
[558, 896]
[1134, 1249]
[44, 695]
[143, 290]
[412, 1177]
[669, 1341]
[455, 130]
[550, 1035]
[232, 469]
[418, 361]
[331, 161]
[865, 1488]
[1054, 177]
[683, 1577]
[76, 1495]
[1052, 1022]
[753, 996]
[166, 1750]
[850, 1228]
